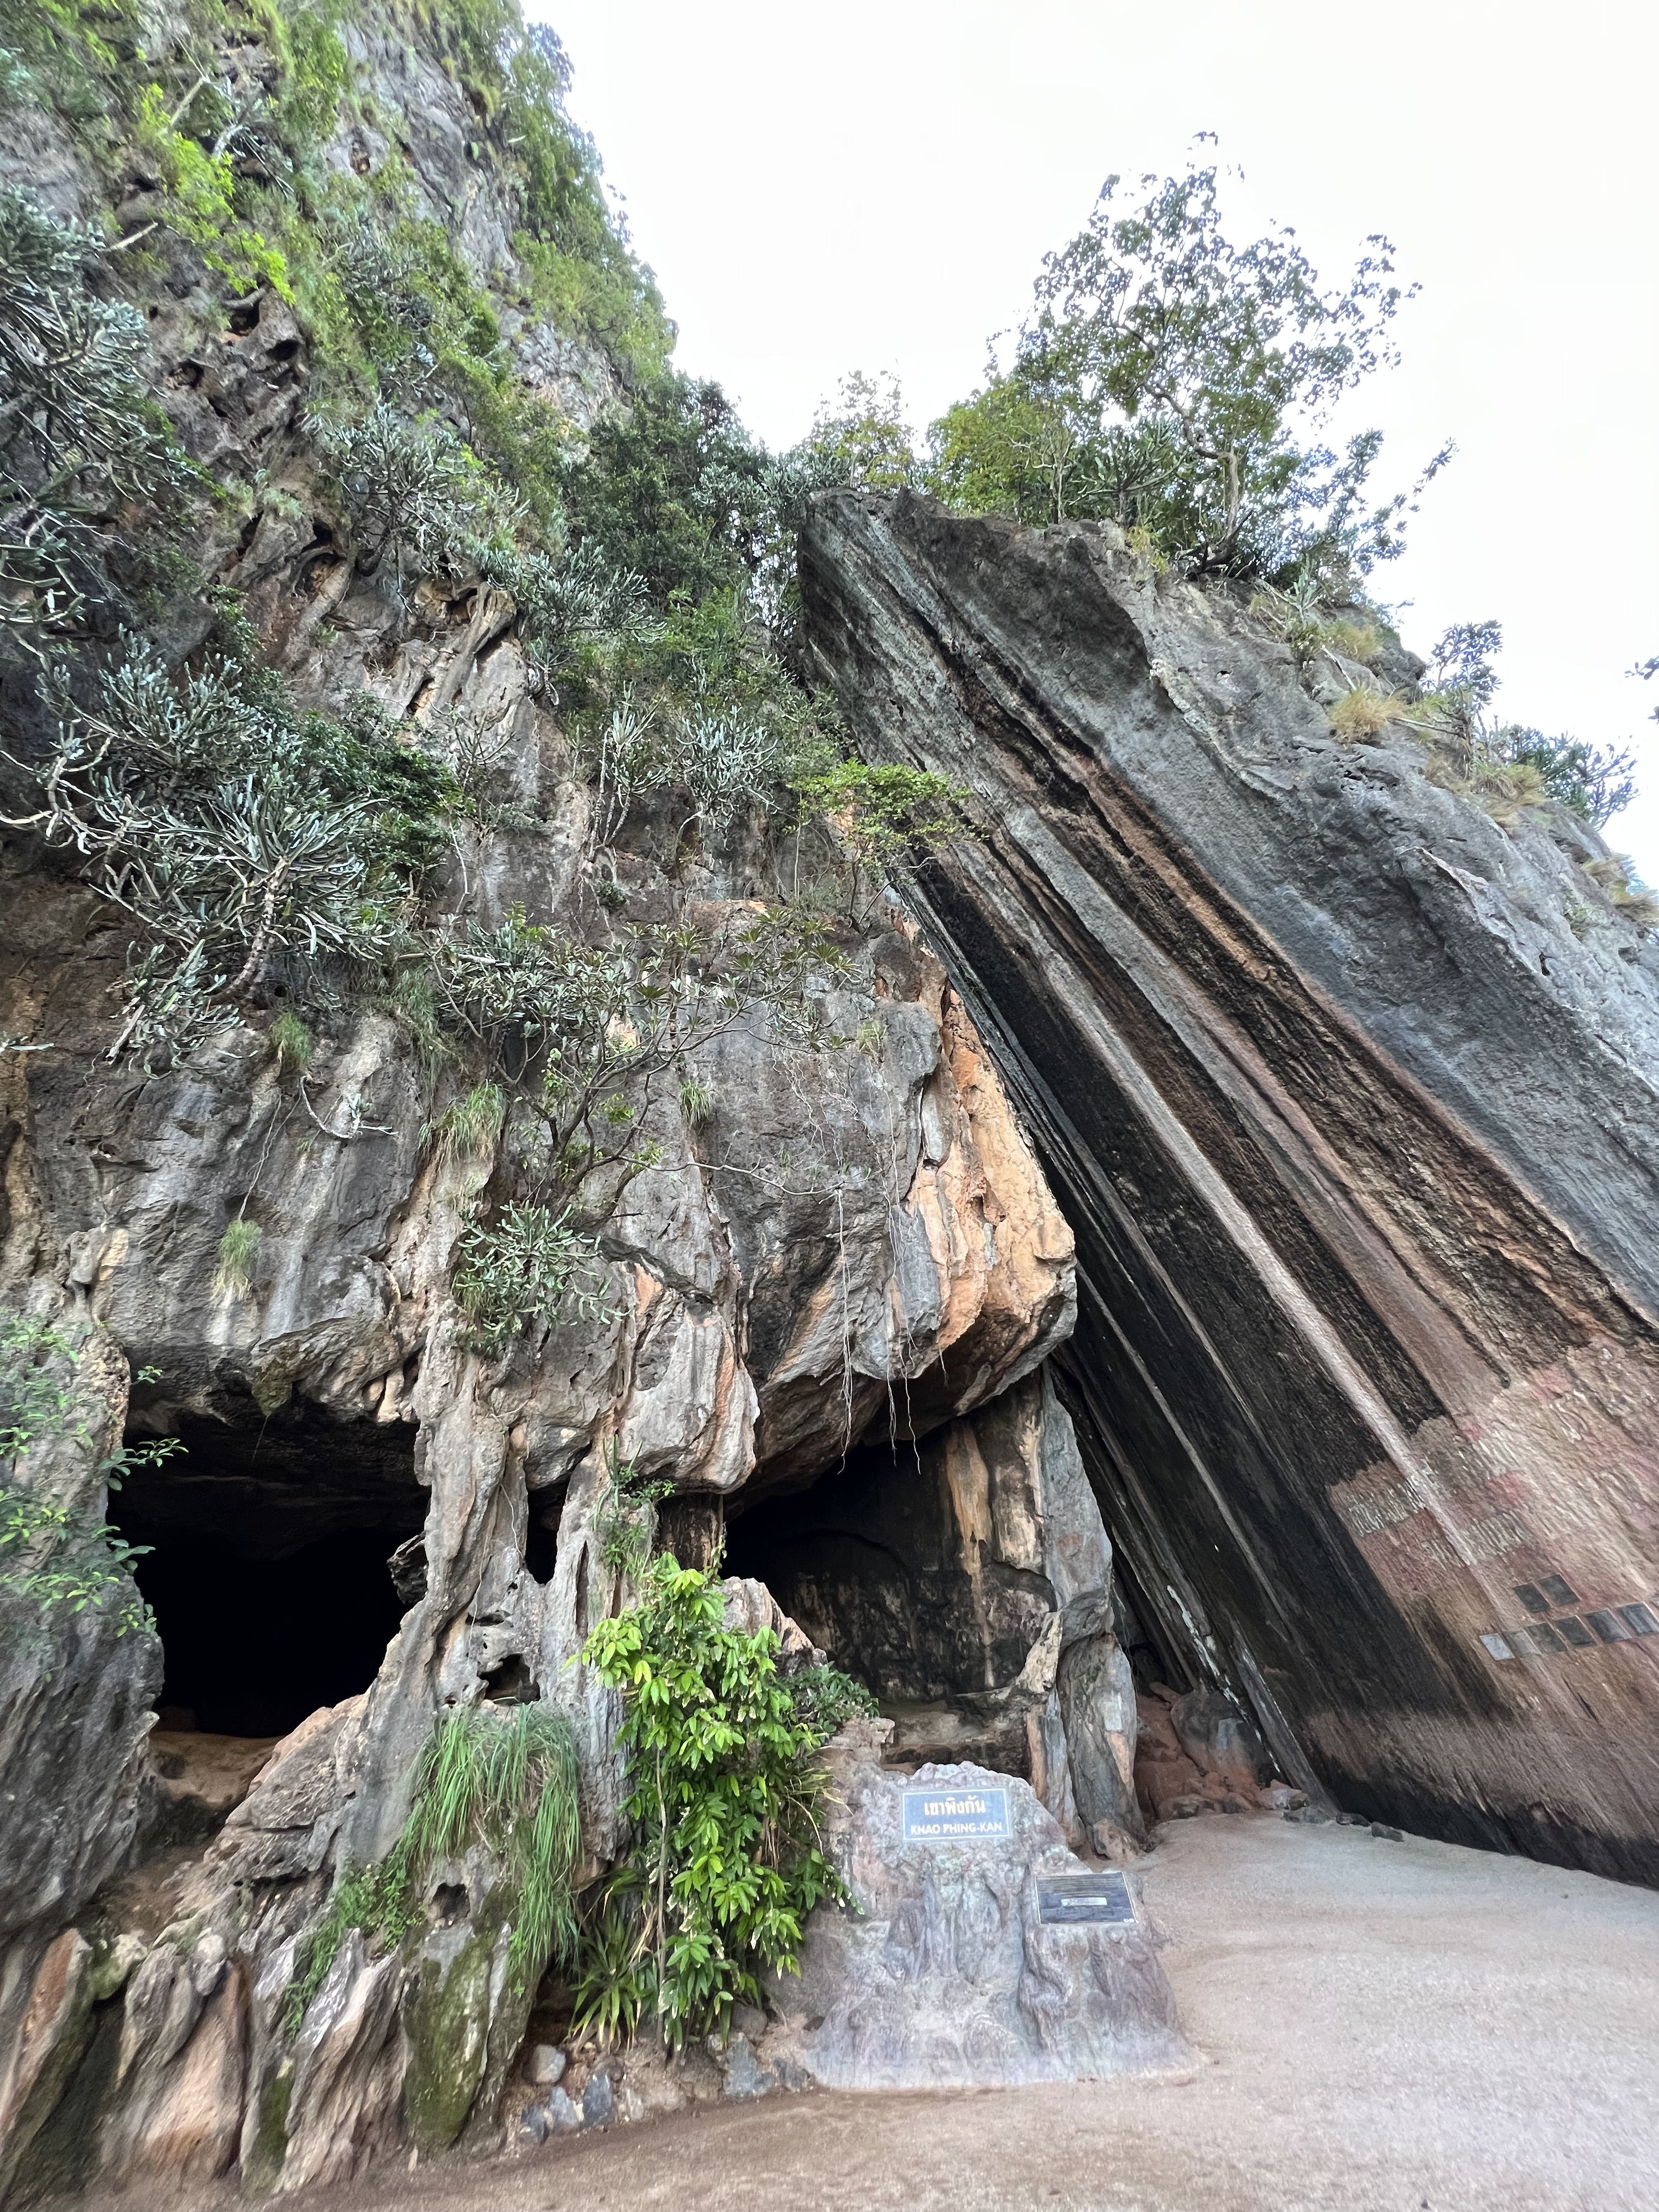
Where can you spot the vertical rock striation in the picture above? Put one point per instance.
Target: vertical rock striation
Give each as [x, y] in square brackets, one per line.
[1349, 1097]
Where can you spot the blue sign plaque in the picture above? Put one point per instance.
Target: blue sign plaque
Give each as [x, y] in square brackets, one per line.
[955, 1816]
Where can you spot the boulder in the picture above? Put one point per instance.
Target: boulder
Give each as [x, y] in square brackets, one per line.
[952, 1970]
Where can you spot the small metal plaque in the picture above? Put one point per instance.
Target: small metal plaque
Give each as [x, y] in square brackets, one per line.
[955, 1816]
[1074, 1897]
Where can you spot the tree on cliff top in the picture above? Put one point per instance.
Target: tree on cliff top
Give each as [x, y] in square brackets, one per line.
[1169, 381]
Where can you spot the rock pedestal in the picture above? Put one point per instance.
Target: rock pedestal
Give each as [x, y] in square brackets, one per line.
[954, 1971]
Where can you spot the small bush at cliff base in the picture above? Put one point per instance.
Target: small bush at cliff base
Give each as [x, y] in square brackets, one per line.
[725, 1863]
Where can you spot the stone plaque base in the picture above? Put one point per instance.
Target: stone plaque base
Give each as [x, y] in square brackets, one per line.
[989, 1960]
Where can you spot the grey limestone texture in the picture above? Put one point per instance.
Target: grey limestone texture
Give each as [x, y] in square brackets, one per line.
[946, 1975]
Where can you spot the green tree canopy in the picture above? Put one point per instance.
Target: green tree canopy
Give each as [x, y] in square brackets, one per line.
[1171, 381]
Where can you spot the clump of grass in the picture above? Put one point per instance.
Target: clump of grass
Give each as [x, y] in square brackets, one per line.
[414, 1004]
[1354, 640]
[509, 1780]
[291, 1043]
[469, 1128]
[1503, 788]
[697, 1101]
[238, 1251]
[1360, 716]
[1146, 549]
[1615, 875]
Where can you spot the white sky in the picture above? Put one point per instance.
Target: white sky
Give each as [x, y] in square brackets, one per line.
[872, 186]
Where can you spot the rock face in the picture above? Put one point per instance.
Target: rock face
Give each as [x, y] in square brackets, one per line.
[951, 1974]
[974, 1597]
[1349, 1097]
[852, 1245]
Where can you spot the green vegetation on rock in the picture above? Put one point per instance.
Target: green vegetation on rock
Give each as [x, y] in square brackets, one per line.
[724, 1862]
[501, 1778]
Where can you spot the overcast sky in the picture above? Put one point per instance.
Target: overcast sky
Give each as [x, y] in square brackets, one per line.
[826, 188]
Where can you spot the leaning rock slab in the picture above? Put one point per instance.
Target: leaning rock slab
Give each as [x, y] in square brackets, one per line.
[947, 1976]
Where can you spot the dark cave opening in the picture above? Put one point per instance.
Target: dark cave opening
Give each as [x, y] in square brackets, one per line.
[881, 1562]
[268, 1564]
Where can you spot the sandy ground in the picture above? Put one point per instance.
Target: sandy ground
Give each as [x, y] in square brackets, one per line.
[1407, 2026]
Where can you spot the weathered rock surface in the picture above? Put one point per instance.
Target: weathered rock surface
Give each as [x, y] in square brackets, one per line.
[975, 1596]
[855, 1244]
[948, 1976]
[1350, 1097]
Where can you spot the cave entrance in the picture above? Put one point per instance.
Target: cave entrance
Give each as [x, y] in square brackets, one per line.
[915, 1570]
[268, 1568]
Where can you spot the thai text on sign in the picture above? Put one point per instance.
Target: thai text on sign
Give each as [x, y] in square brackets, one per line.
[950, 1816]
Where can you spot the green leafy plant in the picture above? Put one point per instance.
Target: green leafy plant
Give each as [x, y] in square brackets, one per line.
[507, 1779]
[883, 819]
[624, 1524]
[529, 1265]
[725, 1863]
[1597, 781]
[1172, 380]
[863, 435]
[62, 1559]
[236, 831]
[80, 439]
[826, 1699]
[415, 490]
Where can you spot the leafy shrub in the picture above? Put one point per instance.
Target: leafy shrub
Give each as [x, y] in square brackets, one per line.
[826, 1699]
[414, 489]
[624, 1524]
[884, 819]
[864, 437]
[1170, 380]
[509, 1780]
[1518, 765]
[605, 1023]
[1594, 781]
[232, 830]
[530, 1265]
[199, 194]
[676, 492]
[724, 1862]
[62, 1560]
[80, 437]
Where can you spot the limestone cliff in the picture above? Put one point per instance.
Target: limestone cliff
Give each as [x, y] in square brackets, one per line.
[832, 1237]
[1348, 1093]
